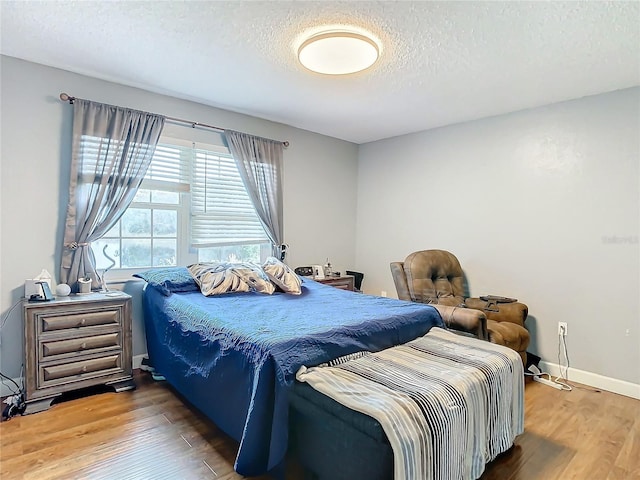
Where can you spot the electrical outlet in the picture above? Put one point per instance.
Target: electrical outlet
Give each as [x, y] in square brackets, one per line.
[562, 329]
[383, 293]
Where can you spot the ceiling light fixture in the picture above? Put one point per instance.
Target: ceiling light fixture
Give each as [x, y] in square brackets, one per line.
[338, 53]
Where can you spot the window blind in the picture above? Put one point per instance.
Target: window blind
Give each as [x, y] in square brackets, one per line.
[169, 168]
[222, 213]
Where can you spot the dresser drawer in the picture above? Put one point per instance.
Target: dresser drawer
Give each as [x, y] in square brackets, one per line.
[52, 349]
[73, 371]
[51, 323]
[343, 283]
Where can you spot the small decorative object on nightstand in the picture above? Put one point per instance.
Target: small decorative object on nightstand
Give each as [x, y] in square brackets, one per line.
[84, 285]
[76, 342]
[62, 290]
[327, 269]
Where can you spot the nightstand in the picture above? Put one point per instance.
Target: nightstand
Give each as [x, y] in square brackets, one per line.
[76, 342]
[345, 282]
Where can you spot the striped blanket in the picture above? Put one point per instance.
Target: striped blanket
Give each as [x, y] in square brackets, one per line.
[448, 404]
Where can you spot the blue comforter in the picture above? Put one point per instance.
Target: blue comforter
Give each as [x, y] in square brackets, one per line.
[235, 356]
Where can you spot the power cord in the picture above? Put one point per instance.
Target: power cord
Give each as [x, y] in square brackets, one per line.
[560, 382]
[562, 348]
[539, 376]
[6, 316]
[15, 392]
[562, 342]
[562, 379]
[16, 402]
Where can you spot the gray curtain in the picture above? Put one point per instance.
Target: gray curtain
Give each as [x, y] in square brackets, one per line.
[259, 161]
[112, 150]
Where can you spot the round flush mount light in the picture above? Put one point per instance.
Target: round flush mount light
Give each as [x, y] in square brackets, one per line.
[338, 53]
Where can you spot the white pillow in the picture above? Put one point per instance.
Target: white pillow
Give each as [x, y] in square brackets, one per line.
[219, 278]
[280, 274]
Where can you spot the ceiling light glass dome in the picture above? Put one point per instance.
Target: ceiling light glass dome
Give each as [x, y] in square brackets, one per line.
[338, 53]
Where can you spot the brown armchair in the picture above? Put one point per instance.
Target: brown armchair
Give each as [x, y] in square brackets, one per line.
[436, 277]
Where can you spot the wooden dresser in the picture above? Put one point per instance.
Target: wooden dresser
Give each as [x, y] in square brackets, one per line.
[75, 342]
[345, 282]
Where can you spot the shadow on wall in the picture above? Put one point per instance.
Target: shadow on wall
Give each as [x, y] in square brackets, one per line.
[134, 288]
[465, 285]
[531, 324]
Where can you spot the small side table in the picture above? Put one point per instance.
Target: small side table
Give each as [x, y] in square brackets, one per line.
[344, 282]
[76, 342]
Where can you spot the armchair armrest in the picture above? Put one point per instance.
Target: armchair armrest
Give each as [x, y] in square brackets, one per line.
[400, 280]
[514, 312]
[468, 320]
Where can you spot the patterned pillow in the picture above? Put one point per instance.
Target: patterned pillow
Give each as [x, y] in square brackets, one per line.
[169, 280]
[280, 274]
[219, 278]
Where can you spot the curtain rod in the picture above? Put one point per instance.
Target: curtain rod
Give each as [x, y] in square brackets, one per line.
[68, 98]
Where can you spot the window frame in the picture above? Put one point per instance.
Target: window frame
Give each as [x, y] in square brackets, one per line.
[186, 254]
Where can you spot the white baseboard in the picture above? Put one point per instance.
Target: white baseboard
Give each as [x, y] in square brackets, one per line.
[614, 385]
[137, 360]
[6, 386]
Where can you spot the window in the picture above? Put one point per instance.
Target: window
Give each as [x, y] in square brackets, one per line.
[146, 235]
[256, 253]
[192, 206]
[224, 224]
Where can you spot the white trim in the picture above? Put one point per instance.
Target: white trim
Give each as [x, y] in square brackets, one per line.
[614, 385]
[137, 360]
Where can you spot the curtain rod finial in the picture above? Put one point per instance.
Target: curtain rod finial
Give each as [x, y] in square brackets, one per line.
[66, 98]
[286, 144]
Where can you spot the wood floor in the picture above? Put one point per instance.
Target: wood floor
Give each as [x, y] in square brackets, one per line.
[149, 433]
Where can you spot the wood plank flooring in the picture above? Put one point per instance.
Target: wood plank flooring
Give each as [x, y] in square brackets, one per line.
[150, 433]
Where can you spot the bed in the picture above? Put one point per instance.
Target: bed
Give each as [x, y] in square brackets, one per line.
[235, 358]
[439, 407]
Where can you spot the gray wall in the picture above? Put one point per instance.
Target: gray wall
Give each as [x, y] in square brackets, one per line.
[542, 205]
[319, 178]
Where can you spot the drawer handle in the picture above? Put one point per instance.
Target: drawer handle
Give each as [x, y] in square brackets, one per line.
[83, 322]
[83, 346]
[84, 368]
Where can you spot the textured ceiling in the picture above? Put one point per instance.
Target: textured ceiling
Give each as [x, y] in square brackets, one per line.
[441, 62]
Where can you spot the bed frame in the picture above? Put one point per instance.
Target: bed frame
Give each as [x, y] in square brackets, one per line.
[330, 441]
[333, 442]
